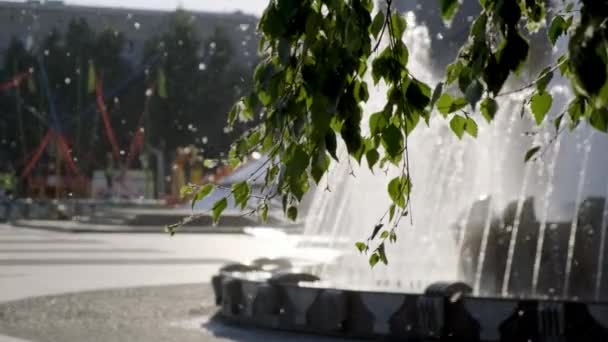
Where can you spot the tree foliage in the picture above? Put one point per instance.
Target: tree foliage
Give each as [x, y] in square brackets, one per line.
[313, 80]
[202, 79]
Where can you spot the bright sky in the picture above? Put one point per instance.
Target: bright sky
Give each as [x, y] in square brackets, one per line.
[255, 7]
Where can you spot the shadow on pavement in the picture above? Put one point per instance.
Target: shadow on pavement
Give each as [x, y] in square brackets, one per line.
[222, 328]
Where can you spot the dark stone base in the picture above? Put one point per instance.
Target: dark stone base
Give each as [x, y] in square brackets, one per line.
[446, 312]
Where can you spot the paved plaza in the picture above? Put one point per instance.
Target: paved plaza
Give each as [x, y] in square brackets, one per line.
[122, 287]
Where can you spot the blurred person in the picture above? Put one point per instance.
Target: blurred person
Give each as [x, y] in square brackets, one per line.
[7, 189]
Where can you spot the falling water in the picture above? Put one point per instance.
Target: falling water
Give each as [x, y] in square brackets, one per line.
[515, 230]
[492, 203]
[600, 256]
[574, 227]
[543, 223]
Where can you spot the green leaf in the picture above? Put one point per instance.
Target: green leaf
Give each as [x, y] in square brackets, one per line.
[531, 152]
[540, 104]
[186, 190]
[351, 134]
[312, 26]
[377, 122]
[466, 76]
[377, 24]
[391, 212]
[489, 107]
[392, 140]
[320, 165]
[398, 24]
[233, 114]
[535, 10]
[376, 230]
[471, 127]
[436, 94]
[557, 28]
[473, 93]
[331, 144]
[218, 208]
[398, 188]
[447, 104]
[514, 52]
[564, 64]
[453, 72]
[253, 140]
[264, 212]
[457, 124]
[372, 157]
[319, 115]
[382, 254]
[297, 162]
[202, 193]
[401, 54]
[444, 103]
[292, 213]
[394, 189]
[418, 94]
[241, 192]
[576, 109]
[361, 246]
[478, 30]
[373, 259]
[449, 9]
[384, 234]
[382, 66]
[361, 93]
[599, 119]
[393, 237]
[495, 74]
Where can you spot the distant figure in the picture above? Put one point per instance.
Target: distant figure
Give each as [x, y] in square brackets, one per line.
[109, 172]
[178, 174]
[7, 188]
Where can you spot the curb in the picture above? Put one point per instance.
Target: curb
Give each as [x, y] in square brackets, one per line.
[5, 338]
[75, 227]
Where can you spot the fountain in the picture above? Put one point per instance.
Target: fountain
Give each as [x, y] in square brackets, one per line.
[528, 238]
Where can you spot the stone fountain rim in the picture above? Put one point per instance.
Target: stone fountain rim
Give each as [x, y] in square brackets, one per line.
[303, 285]
[294, 307]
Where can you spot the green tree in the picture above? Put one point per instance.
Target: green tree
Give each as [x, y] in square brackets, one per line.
[178, 52]
[197, 81]
[80, 45]
[311, 84]
[112, 69]
[22, 126]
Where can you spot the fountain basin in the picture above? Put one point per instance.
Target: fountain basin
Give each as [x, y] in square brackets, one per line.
[446, 311]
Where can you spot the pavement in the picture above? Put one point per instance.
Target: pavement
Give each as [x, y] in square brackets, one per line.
[35, 263]
[184, 313]
[59, 286]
